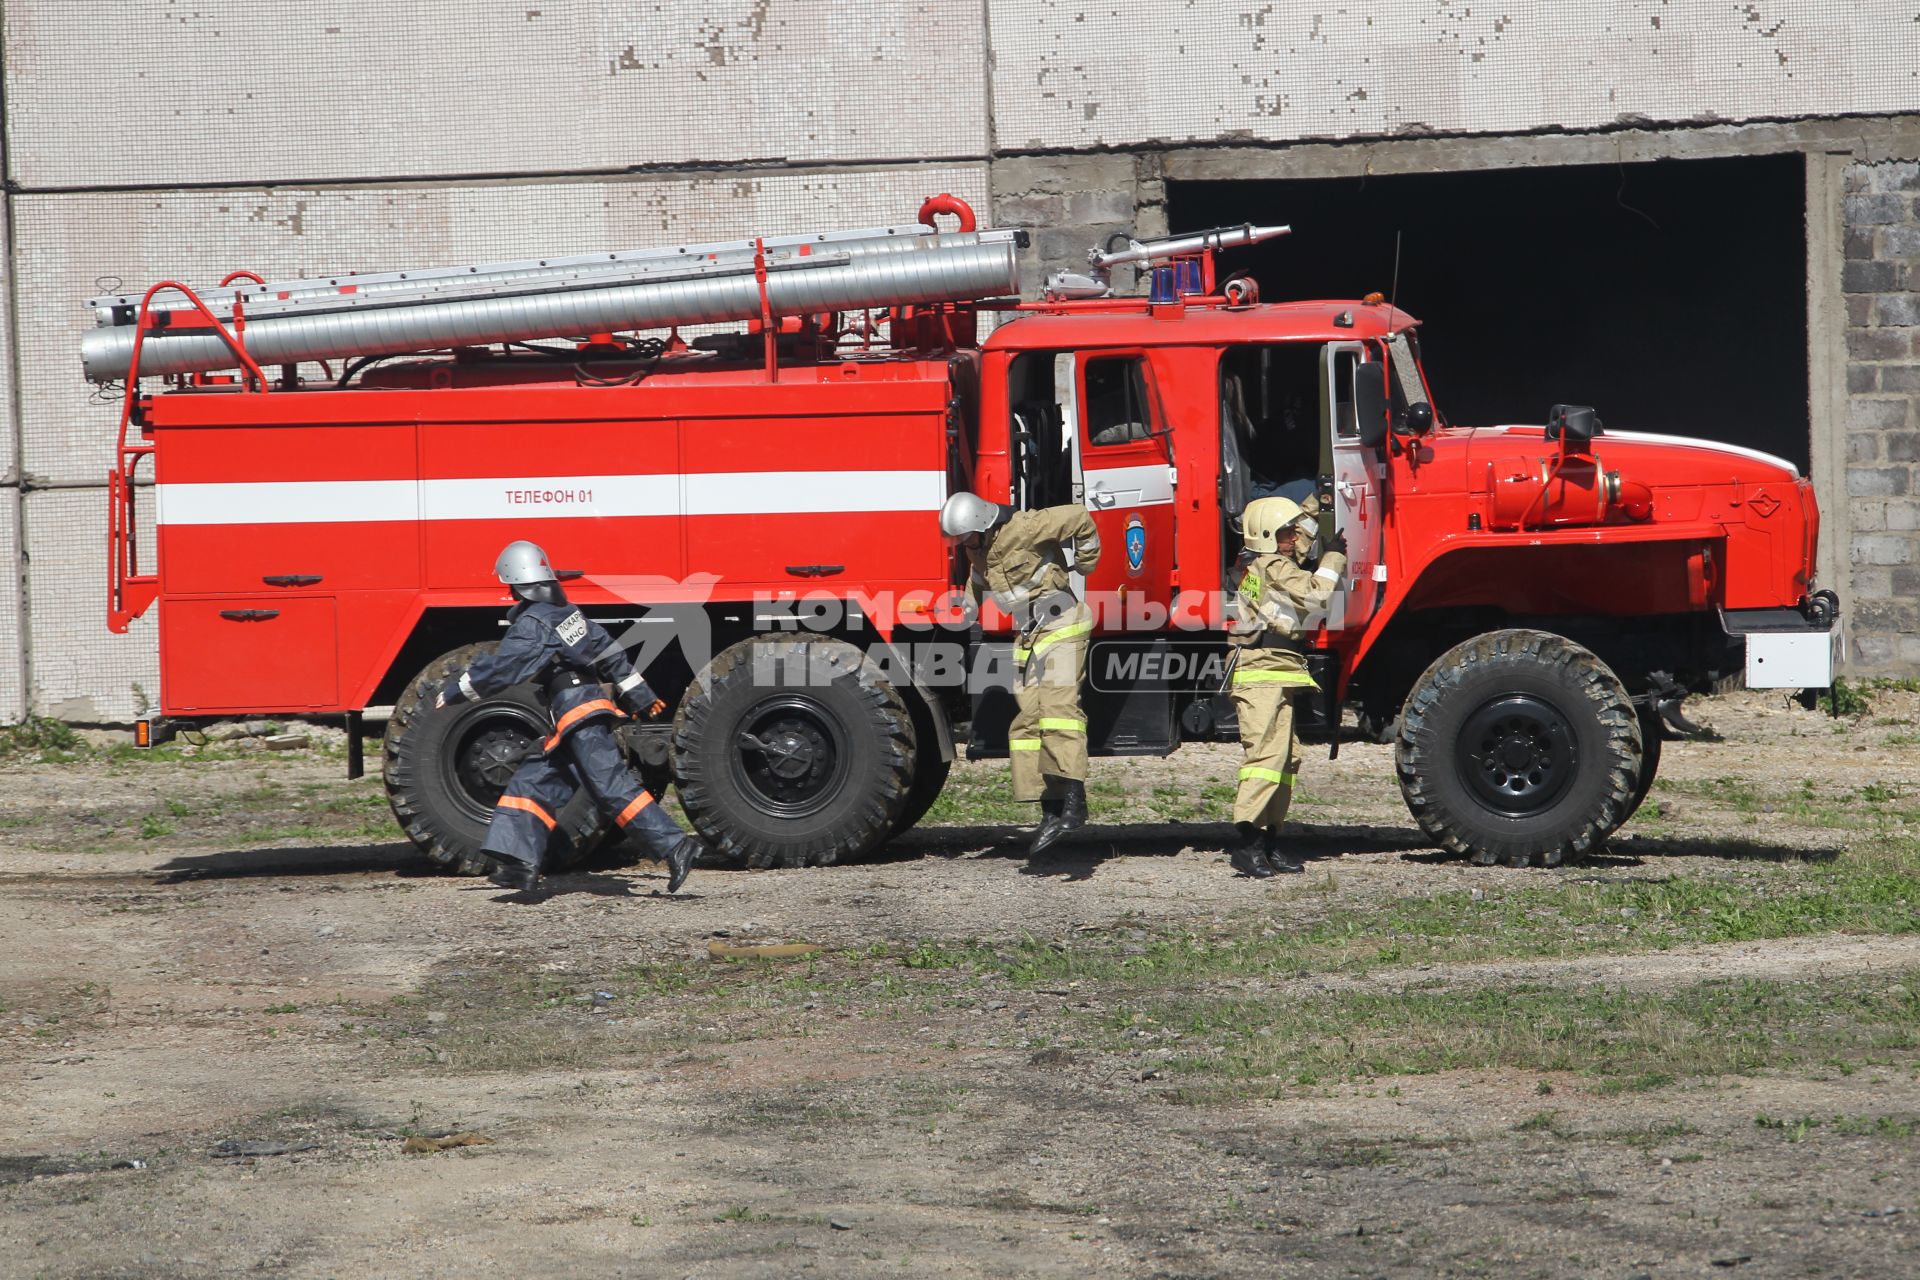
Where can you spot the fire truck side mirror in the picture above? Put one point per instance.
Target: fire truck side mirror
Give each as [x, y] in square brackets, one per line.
[1370, 404]
[1418, 419]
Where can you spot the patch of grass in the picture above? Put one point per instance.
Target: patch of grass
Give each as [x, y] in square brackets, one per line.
[1542, 1122]
[1798, 1130]
[1865, 892]
[153, 826]
[984, 801]
[1850, 698]
[1704, 1030]
[1207, 993]
[1877, 1126]
[39, 735]
[1653, 1133]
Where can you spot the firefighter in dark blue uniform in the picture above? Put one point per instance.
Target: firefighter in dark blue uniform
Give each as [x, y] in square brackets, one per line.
[568, 656]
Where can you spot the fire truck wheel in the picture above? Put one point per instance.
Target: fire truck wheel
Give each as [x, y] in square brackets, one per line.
[1519, 746]
[793, 751]
[445, 769]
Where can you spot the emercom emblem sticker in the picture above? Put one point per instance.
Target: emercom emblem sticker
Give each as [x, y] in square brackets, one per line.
[1136, 545]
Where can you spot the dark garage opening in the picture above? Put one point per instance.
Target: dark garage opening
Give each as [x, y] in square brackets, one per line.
[1671, 296]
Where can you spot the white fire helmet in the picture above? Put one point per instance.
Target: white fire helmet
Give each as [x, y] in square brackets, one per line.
[1266, 520]
[967, 513]
[523, 563]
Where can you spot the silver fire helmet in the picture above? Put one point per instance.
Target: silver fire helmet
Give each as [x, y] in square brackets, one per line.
[523, 563]
[967, 513]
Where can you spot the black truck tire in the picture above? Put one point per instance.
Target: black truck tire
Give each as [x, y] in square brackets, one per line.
[793, 751]
[444, 768]
[1519, 746]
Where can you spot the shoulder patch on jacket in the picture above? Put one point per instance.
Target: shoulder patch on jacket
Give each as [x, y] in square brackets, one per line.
[571, 629]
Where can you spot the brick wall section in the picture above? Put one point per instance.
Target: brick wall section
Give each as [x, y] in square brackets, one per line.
[1071, 203]
[1881, 282]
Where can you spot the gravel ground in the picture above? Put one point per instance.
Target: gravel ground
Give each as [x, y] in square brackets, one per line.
[236, 946]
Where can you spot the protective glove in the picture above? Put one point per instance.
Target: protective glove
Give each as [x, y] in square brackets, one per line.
[640, 703]
[450, 693]
[1338, 542]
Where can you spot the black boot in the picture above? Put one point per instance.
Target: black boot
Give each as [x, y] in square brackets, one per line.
[1248, 853]
[1069, 814]
[666, 842]
[511, 873]
[680, 862]
[1277, 861]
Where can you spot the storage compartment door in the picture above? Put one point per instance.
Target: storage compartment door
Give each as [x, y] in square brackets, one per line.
[261, 653]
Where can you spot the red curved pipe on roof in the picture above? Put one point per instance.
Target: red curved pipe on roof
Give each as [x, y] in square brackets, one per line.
[945, 203]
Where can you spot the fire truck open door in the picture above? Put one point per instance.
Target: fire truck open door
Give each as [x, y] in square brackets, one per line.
[1125, 471]
[1358, 468]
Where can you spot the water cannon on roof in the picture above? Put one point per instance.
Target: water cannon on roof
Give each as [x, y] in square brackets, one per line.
[1179, 266]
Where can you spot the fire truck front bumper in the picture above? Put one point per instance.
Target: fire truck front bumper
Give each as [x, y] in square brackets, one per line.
[1789, 648]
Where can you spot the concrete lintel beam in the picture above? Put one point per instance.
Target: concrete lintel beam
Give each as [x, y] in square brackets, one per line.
[1869, 138]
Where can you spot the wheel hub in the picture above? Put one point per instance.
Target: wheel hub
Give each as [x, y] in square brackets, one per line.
[488, 751]
[790, 756]
[1517, 755]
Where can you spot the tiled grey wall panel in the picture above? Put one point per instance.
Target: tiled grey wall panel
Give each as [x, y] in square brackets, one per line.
[109, 92]
[70, 243]
[1071, 74]
[7, 442]
[82, 671]
[12, 696]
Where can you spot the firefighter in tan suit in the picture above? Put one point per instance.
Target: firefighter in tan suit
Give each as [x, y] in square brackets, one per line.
[1020, 560]
[1273, 606]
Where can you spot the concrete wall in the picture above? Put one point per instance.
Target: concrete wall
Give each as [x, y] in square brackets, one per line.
[150, 138]
[1072, 75]
[119, 92]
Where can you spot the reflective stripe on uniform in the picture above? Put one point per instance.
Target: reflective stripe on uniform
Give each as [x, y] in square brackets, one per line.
[1061, 724]
[632, 682]
[1023, 744]
[575, 716]
[527, 806]
[1331, 575]
[1272, 677]
[640, 802]
[1064, 633]
[1269, 775]
[466, 685]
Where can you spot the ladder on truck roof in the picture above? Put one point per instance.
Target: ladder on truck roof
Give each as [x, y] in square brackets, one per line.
[248, 322]
[393, 312]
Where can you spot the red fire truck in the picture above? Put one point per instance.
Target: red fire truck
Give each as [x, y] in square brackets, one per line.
[336, 462]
